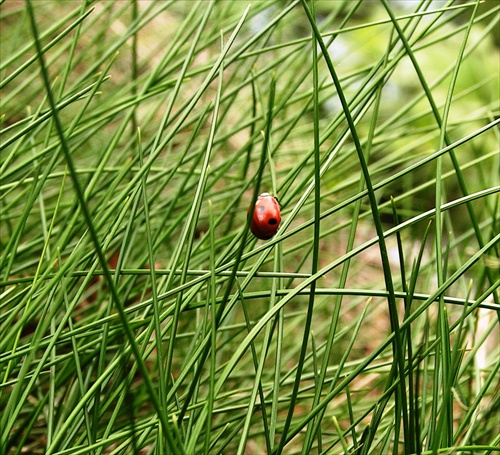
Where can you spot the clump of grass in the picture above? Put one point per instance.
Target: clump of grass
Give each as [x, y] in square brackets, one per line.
[139, 315]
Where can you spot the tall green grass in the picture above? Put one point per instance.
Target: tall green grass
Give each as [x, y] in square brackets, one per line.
[138, 314]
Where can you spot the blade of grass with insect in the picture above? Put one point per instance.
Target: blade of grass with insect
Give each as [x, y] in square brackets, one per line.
[284, 345]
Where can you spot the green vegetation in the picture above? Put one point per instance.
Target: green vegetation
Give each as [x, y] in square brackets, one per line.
[138, 314]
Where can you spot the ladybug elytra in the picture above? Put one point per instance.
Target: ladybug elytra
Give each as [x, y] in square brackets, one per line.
[266, 217]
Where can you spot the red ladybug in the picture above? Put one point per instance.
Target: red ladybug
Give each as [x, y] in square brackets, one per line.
[266, 217]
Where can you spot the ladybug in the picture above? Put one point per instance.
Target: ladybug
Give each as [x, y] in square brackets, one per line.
[266, 217]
